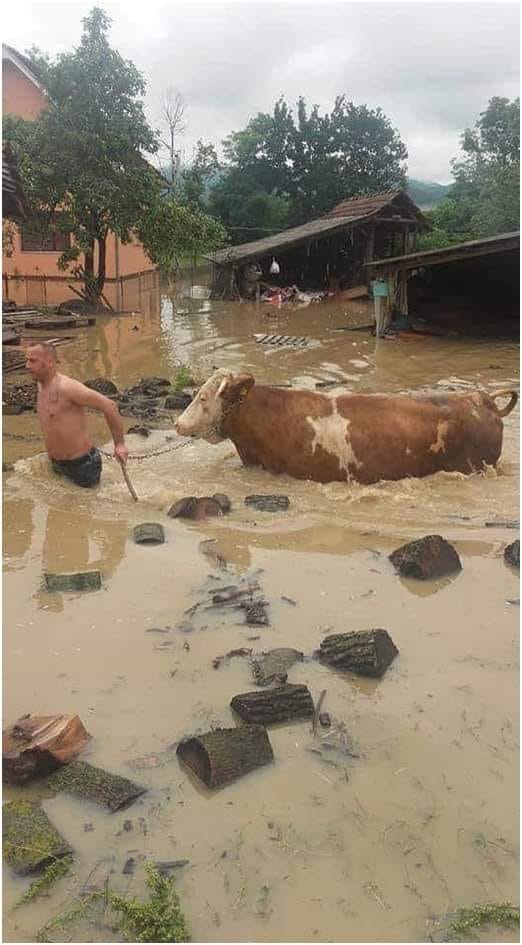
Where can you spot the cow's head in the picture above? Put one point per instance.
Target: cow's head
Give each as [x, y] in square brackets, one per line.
[204, 416]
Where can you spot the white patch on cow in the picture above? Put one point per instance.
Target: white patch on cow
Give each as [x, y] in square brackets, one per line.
[408, 451]
[332, 434]
[475, 413]
[440, 443]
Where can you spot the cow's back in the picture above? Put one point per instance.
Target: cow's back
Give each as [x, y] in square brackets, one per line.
[365, 437]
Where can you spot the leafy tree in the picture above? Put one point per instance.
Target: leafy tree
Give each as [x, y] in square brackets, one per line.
[172, 233]
[485, 198]
[197, 177]
[311, 161]
[81, 160]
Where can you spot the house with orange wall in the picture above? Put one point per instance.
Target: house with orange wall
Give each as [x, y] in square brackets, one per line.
[30, 274]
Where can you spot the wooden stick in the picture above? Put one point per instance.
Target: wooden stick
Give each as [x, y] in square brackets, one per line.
[318, 710]
[130, 487]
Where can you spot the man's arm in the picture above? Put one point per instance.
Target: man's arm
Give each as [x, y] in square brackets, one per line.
[85, 397]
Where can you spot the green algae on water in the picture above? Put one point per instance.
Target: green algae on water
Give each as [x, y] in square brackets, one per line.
[158, 920]
[94, 784]
[463, 924]
[29, 840]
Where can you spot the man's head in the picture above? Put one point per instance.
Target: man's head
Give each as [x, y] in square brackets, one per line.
[40, 361]
[218, 395]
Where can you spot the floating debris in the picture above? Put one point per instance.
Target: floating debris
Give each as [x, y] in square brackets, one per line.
[225, 754]
[94, 784]
[29, 840]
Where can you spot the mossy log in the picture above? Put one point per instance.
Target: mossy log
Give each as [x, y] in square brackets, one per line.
[35, 746]
[94, 784]
[365, 652]
[149, 533]
[282, 704]
[29, 840]
[226, 753]
[73, 581]
[512, 554]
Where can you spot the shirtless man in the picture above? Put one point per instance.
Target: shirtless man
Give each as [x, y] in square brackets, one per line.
[61, 406]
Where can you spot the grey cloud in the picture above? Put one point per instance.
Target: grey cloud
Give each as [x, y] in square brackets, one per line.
[431, 66]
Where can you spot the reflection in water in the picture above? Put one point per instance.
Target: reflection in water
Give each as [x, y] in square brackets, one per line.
[17, 527]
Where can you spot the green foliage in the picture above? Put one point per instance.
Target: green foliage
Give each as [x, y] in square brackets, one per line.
[171, 232]
[196, 178]
[485, 198]
[158, 920]
[84, 909]
[52, 873]
[183, 378]
[297, 167]
[466, 920]
[83, 154]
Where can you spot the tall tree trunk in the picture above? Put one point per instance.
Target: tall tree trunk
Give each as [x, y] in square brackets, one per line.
[102, 261]
[88, 273]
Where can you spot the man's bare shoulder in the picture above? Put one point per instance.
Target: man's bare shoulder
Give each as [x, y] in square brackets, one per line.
[71, 387]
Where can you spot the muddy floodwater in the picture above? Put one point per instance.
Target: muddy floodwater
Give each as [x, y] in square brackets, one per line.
[420, 816]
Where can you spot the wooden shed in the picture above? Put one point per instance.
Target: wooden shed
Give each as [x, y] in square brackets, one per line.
[328, 253]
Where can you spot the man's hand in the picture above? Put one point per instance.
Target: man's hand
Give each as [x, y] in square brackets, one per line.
[121, 453]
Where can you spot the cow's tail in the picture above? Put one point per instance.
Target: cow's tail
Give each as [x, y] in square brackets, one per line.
[513, 394]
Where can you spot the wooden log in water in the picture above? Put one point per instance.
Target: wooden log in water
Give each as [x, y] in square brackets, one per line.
[365, 652]
[94, 784]
[268, 706]
[73, 581]
[149, 533]
[225, 754]
[29, 840]
[35, 746]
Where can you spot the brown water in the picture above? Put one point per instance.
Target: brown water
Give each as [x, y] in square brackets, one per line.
[424, 818]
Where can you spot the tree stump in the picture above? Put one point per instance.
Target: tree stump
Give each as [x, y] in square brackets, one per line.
[149, 533]
[226, 753]
[35, 746]
[196, 509]
[29, 840]
[73, 581]
[365, 652]
[428, 557]
[512, 554]
[94, 784]
[282, 704]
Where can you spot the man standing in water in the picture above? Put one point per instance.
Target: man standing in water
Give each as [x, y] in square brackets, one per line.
[61, 407]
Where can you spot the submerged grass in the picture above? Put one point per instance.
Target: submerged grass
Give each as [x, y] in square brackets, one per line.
[51, 874]
[183, 378]
[159, 919]
[467, 919]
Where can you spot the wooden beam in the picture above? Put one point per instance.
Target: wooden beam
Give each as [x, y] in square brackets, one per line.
[432, 258]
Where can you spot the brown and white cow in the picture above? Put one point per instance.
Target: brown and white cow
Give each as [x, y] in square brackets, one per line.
[348, 437]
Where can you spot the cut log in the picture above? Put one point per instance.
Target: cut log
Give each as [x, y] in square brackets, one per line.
[427, 558]
[226, 754]
[274, 705]
[194, 508]
[29, 840]
[149, 533]
[10, 337]
[103, 385]
[268, 503]
[512, 554]
[35, 746]
[73, 581]
[42, 323]
[273, 666]
[365, 652]
[178, 401]
[94, 784]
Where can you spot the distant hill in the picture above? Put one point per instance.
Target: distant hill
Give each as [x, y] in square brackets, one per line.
[426, 194]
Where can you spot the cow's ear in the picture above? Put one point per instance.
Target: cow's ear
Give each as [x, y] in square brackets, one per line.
[235, 387]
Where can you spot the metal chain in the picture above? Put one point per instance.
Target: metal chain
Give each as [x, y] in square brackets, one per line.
[138, 458]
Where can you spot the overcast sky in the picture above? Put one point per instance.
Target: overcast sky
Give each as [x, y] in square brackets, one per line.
[432, 66]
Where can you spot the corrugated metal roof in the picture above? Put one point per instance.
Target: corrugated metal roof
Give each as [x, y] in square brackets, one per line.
[503, 242]
[345, 214]
[13, 199]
